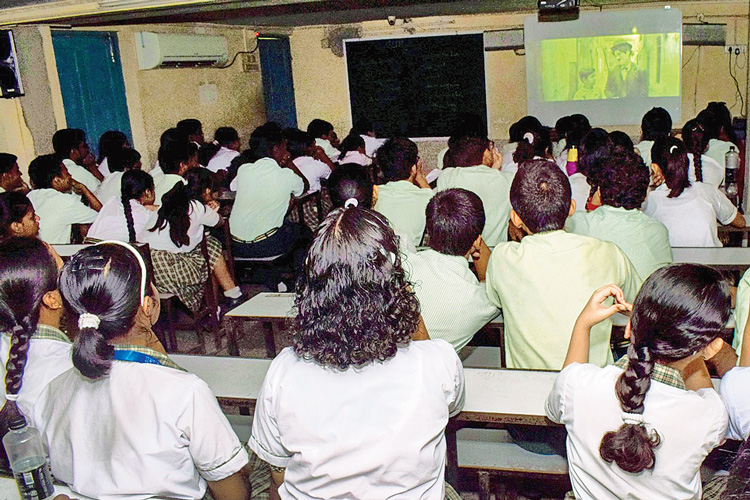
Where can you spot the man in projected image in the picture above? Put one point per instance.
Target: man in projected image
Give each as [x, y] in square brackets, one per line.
[625, 78]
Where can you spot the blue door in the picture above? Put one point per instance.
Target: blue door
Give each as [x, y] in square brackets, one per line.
[278, 85]
[93, 91]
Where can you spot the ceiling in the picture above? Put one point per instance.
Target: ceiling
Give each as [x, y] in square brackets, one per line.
[283, 12]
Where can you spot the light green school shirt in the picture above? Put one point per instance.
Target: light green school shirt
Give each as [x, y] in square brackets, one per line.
[643, 239]
[82, 175]
[741, 310]
[493, 187]
[453, 303]
[404, 204]
[57, 213]
[543, 283]
[263, 193]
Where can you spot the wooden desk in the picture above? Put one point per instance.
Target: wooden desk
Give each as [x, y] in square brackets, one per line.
[271, 309]
[728, 258]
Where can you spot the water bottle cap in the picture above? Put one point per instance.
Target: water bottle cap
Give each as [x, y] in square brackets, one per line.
[17, 423]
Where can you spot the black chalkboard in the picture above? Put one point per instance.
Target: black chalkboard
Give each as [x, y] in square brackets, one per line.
[417, 86]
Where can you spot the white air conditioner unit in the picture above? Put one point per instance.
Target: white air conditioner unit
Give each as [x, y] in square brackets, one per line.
[159, 50]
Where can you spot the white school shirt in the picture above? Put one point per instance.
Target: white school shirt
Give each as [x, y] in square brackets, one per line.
[200, 216]
[643, 239]
[734, 393]
[453, 303]
[222, 159]
[579, 190]
[313, 170]
[328, 149]
[644, 148]
[713, 173]
[717, 149]
[741, 311]
[493, 187]
[376, 431]
[691, 217]
[356, 157]
[543, 283]
[163, 183]
[57, 213]
[48, 356]
[372, 144]
[111, 187]
[81, 175]
[263, 193]
[142, 431]
[111, 224]
[104, 167]
[690, 424]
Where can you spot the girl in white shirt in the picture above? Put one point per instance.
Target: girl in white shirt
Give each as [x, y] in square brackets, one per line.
[125, 218]
[357, 409]
[110, 142]
[641, 429]
[126, 422]
[688, 209]
[33, 350]
[175, 236]
[702, 168]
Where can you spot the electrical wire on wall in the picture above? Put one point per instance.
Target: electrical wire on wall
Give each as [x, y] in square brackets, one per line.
[738, 94]
[234, 59]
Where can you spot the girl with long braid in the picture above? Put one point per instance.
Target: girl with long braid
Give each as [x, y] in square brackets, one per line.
[126, 422]
[641, 428]
[33, 350]
[125, 218]
[702, 168]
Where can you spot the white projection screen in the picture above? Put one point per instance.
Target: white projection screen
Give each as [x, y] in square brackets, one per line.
[610, 66]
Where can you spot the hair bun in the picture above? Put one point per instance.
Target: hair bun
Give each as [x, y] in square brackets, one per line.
[351, 202]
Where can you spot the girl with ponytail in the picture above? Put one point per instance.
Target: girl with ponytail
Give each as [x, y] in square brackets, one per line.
[33, 350]
[180, 267]
[157, 430]
[702, 168]
[641, 428]
[688, 209]
[125, 218]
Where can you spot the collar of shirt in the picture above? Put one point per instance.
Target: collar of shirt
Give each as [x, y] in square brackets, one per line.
[163, 359]
[48, 332]
[662, 373]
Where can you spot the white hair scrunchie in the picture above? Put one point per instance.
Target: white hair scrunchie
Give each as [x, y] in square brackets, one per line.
[529, 137]
[88, 320]
[671, 150]
[632, 418]
[11, 397]
[351, 202]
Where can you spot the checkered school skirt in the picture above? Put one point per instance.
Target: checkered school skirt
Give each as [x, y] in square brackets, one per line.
[185, 274]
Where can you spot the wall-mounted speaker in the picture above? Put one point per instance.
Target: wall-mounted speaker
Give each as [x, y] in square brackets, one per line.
[10, 77]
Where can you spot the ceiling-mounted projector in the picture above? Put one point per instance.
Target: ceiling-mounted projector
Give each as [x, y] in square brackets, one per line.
[558, 10]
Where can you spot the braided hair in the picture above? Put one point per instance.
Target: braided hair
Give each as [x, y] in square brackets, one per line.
[133, 185]
[696, 142]
[27, 273]
[680, 310]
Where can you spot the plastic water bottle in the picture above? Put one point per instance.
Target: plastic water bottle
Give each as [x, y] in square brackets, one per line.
[572, 165]
[23, 445]
[732, 164]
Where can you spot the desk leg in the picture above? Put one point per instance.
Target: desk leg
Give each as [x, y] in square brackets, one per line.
[232, 344]
[451, 459]
[270, 328]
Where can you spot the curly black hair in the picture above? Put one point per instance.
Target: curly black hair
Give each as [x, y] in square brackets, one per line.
[624, 179]
[353, 301]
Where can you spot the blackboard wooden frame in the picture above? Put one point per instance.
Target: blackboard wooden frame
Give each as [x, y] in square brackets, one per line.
[416, 86]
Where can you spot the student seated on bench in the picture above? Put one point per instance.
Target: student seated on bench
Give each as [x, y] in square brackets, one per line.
[452, 300]
[70, 145]
[403, 199]
[473, 163]
[543, 282]
[624, 179]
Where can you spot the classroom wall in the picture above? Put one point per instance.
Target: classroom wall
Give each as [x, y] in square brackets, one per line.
[321, 82]
[156, 99]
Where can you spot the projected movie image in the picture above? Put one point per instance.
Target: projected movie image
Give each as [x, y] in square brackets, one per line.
[611, 67]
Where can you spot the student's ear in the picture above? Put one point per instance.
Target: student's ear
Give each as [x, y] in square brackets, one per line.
[713, 348]
[572, 207]
[515, 218]
[52, 300]
[374, 194]
[183, 168]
